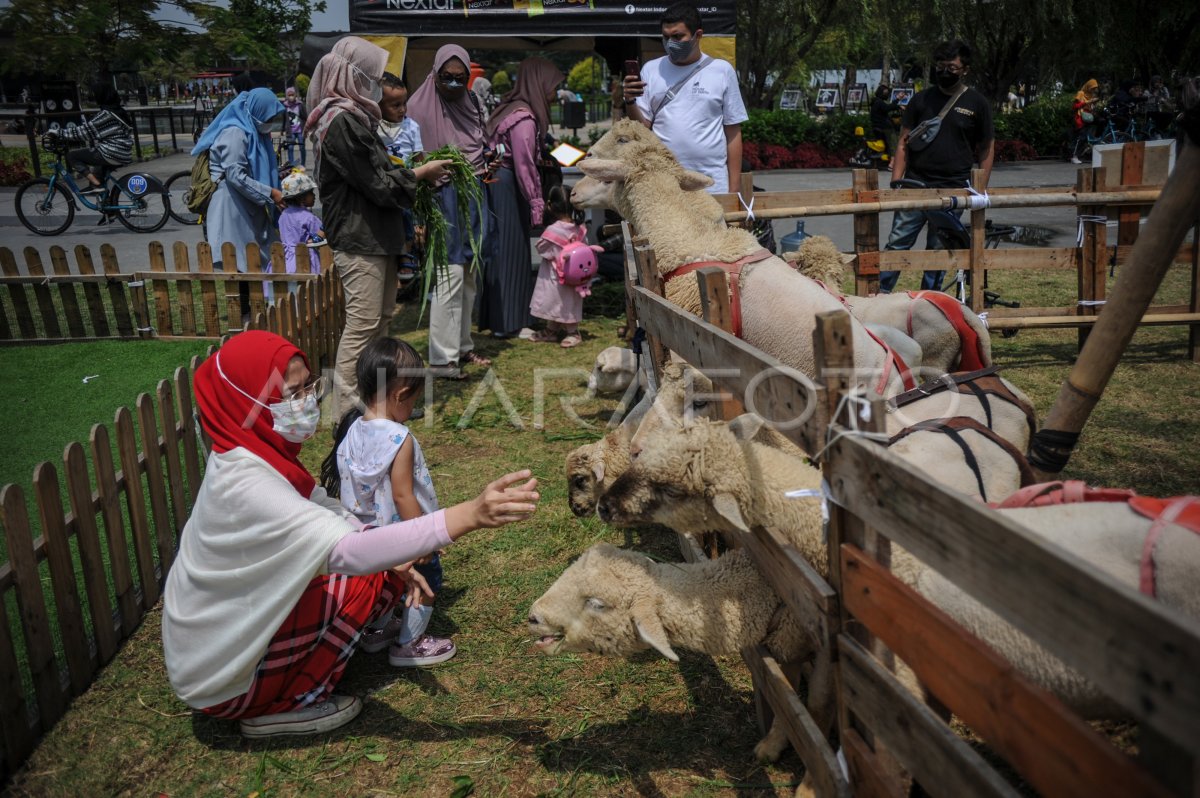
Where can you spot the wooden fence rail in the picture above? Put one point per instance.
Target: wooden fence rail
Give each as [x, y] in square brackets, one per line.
[105, 557]
[1141, 655]
[77, 304]
[1127, 182]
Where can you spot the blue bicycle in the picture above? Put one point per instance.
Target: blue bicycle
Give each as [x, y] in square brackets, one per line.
[46, 205]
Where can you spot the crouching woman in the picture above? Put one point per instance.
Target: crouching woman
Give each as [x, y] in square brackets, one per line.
[274, 582]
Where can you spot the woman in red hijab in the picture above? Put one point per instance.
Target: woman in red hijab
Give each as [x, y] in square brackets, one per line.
[519, 125]
[274, 582]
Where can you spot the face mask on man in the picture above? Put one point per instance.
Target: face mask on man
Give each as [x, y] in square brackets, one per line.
[678, 52]
[946, 80]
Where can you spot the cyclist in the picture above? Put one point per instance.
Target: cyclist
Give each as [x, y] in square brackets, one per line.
[108, 134]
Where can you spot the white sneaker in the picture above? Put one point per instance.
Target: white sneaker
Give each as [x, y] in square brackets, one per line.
[1075, 159]
[328, 715]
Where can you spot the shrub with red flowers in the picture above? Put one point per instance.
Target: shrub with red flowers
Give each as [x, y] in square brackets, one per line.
[804, 155]
[1014, 150]
[14, 172]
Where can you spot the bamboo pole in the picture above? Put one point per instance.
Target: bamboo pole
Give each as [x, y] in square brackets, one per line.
[1139, 197]
[1176, 211]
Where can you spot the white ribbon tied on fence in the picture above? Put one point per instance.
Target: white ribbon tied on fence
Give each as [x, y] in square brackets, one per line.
[1090, 219]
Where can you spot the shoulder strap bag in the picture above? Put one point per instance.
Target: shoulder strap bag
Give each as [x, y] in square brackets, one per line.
[923, 134]
[671, 92]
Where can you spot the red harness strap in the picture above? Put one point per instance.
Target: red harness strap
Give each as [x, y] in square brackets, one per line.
[735, 272]
[1182, 511]
[971, 348]
[892, 359]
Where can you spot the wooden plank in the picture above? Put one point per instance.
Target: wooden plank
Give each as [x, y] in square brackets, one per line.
[937, 757]
[156, 483]
[210, 311]
[1142, 655]
[116, 292]
[819, 761]
[183, 289]
[868, 776]
[114, 529]
[5, 329]
[16, 736]
[41, 294]
[715, 309]
[57, 548]
[764, 200]
[1194, 301]
[258, 303]
[650, 280]
[1091, 249]
[91, 560]
[761, 380]
[66, 293]
[866, 229]
[174, 473]
[233, 304]
[135, 505]
[1047, 322]
[31, 604]
[17, 295]
[91, 291]
[978, 242]
[278, 261]
[187, 435]
[162, 295]
[1055, 751]
[1129, 217]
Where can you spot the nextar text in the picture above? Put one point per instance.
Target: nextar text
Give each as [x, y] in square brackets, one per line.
[421, 5]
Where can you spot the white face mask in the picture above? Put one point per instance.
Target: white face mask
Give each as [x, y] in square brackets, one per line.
[295, 420]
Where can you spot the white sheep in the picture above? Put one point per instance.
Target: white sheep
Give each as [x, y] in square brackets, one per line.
[615, 370]
[617, 603]
[914, 313]
[593, 467]
[777, 305]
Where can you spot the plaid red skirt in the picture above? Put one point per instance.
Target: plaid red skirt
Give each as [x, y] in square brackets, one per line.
[307, 656]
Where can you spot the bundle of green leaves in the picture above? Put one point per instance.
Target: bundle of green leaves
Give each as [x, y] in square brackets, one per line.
[428, 211]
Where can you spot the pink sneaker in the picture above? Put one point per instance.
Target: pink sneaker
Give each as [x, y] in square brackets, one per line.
[372, 640]
[425, 650]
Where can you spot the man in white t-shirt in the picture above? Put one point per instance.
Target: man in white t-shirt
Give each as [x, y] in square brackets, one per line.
[691, 101]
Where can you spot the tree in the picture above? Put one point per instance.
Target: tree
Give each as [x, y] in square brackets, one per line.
[585, 76]
[773, 35]
[262, 34]
[80, 39]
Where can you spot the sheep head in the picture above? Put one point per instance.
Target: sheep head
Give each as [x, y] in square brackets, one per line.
[603, 603]
[691, 477]
[585, 470]
[819, 259]
[615, 368]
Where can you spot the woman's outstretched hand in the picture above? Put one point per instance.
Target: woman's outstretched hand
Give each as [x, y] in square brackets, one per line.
[512, 497]
[431, 171]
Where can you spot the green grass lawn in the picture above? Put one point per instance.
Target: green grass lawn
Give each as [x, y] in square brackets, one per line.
[499, 717]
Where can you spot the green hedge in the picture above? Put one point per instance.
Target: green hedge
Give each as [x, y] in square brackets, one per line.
[1043, 125]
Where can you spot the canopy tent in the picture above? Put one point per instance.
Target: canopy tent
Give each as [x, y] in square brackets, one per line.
[413, 30]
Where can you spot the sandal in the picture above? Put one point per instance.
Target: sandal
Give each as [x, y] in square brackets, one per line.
[476, 359]
[571, 339]
[449, 371]
[545, 337]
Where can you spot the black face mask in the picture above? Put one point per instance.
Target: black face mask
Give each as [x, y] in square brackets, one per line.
[946, 80]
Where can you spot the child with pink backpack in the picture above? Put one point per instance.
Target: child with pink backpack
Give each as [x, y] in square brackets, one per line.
[568, 266]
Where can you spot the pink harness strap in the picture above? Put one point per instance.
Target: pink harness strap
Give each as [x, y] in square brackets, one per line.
[1182, 511]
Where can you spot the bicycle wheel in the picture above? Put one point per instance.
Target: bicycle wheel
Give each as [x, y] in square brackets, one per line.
[44, 209]
[143, 214]
[178, 185]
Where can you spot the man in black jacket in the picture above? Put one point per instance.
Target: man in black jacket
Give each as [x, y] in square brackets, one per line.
[966, 136]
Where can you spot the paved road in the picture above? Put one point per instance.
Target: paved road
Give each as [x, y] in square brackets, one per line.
[133, 256]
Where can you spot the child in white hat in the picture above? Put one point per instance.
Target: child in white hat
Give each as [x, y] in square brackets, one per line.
[298, 225]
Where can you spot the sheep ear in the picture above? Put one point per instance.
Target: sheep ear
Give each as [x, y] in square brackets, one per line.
[694, 181]
[602, 169]
[598, 471]
[727, 507]
[650, 630]
[746, 426]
